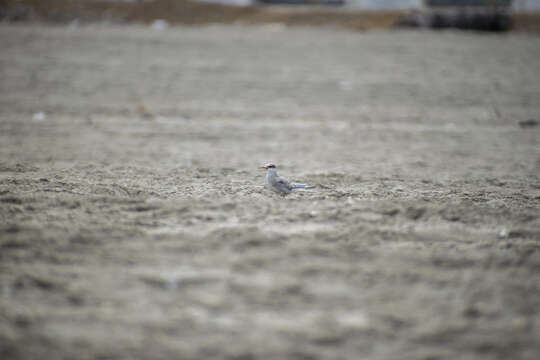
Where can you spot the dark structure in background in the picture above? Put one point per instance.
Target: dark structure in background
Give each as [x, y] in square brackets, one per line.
[487, 15]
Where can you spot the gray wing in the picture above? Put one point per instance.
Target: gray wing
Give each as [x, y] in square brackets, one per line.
[281, 185]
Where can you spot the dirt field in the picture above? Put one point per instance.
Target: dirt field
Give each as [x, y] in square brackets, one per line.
[134, 223]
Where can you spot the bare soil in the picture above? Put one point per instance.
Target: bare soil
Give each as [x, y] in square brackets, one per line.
[134, 222]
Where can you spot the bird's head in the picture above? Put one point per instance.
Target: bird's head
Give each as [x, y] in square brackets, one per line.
[269, 166]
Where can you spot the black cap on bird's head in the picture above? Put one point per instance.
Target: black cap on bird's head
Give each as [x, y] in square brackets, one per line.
[268, 166]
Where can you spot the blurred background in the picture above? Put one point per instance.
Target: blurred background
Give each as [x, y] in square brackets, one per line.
[476, 14]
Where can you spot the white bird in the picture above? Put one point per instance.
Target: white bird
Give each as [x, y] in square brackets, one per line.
[278, 184]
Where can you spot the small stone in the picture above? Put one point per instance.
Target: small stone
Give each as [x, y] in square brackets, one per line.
[160, 24]
[40, 116]
[528, 123]
[414, 213]
[520, 323]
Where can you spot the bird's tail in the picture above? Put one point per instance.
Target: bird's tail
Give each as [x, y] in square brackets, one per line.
[301, 186]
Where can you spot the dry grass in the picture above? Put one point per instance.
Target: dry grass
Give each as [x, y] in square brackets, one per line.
[529, 22]
[194, 13]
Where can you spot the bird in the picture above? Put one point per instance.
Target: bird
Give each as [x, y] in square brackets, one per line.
[278, 184]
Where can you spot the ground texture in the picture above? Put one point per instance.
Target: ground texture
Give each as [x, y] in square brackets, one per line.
[134, 222]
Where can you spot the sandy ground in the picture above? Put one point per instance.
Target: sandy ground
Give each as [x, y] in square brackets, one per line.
[134, 222]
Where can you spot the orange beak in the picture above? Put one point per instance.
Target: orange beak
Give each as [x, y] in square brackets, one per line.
[264, 168]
